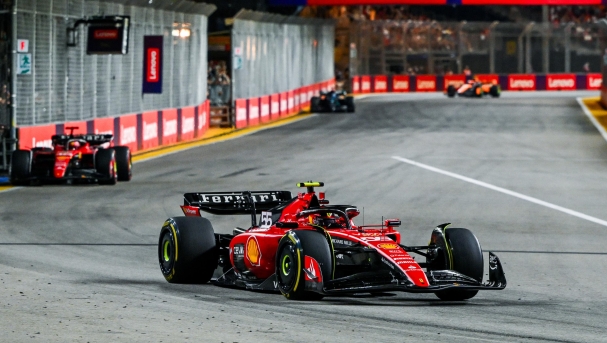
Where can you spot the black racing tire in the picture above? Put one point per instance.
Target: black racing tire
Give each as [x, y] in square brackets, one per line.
[477, 91]
[467, 258]
[451, 91]
[495, 91]
[350, 104]
[315, 104]
[105, 164]
[21, 167]
[290, 257]
[187, 250]
[124, 163]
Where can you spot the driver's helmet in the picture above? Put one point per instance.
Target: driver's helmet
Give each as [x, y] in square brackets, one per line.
[327, 220]
[73, 145]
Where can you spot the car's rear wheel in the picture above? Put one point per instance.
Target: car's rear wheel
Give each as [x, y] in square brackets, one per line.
[187, 250]
[105, 164]
[290, 258]
[467, 257]
[477, 91]
[350, 104]
[451, 91]
[124, 163]
[20, 168]
[315, 104]
[495, 91]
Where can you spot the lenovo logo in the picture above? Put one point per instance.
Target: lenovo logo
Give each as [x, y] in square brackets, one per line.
[202, 119]
[128, 135]
[253, 112]
[265, 110]
[241, 114]
[188, 125]
[275, 108]
[381, 86]
[526, 84]
[561, 83]
[150, 131]
[401, 85]
[594, 82]
[423, 85]
[366, 85]
[105, 34]
[169, 128]
[153, 67]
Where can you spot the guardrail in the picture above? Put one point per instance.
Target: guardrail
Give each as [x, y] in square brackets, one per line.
[508, 82]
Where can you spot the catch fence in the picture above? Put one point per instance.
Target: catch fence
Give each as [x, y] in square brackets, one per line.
[273, 53]
[66, 84]
[431, 47]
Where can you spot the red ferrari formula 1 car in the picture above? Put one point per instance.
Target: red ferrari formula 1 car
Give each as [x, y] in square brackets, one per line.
[86, 157]
[473, 89]
[307, 249]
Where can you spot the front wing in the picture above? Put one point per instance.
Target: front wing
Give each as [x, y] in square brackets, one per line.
[380, 281]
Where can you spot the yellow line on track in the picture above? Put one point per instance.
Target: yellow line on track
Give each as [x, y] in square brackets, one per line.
[212, 136]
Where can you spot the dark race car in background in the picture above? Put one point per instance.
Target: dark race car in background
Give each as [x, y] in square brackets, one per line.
[473, 89]
[307, 249]
[87, 157]
[332, 101]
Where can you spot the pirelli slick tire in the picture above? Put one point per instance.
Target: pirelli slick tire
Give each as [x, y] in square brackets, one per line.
[187, 251]
[495, 91]
[451, 91]
[315, 104]
[124, 163]
[467, 258]
[350, 104]
[290, 258]
[21, 166]
[105, 164]
[477, 91]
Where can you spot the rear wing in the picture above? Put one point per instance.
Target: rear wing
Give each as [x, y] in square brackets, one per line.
[247, 202]
[93, 139]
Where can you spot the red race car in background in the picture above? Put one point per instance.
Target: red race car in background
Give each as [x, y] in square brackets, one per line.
[307, 249]
[87, 157]
[473, 89]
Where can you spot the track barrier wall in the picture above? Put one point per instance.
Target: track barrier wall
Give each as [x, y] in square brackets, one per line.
[139, 131]
[364, 84]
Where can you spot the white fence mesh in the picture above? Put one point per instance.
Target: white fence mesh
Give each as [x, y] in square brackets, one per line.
[67, 84]
[280, 53]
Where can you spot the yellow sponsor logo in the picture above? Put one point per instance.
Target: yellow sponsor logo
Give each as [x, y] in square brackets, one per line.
[388, 246]
[253, 252]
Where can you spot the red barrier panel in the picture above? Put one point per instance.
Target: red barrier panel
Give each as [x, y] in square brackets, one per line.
[169, 126]
[149, 130]
[455, 80]
[290, 102]
[400, 83]
[380, 84]
[126, 127]
[264, 105]
[284, 104]
[355, 84]
[253, 105]
[241, 113]
[204, 118]
[365, 84]
[425, 83]
[310, 90]
[522, 82]
[488, 78]
[560, 82]
[274, 106]
[296, 105]
[188, 125]
[36, 136]
[303, 97]
[103, 126]
[594, 81]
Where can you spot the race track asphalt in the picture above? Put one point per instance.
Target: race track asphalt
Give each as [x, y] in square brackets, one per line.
[527, 173]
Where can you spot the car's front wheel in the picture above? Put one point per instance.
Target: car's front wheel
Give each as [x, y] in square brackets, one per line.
[105, 164]
[20, 168]
[467, 258]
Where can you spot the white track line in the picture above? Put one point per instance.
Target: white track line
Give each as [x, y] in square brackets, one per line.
[503, 190]
[592, 118]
